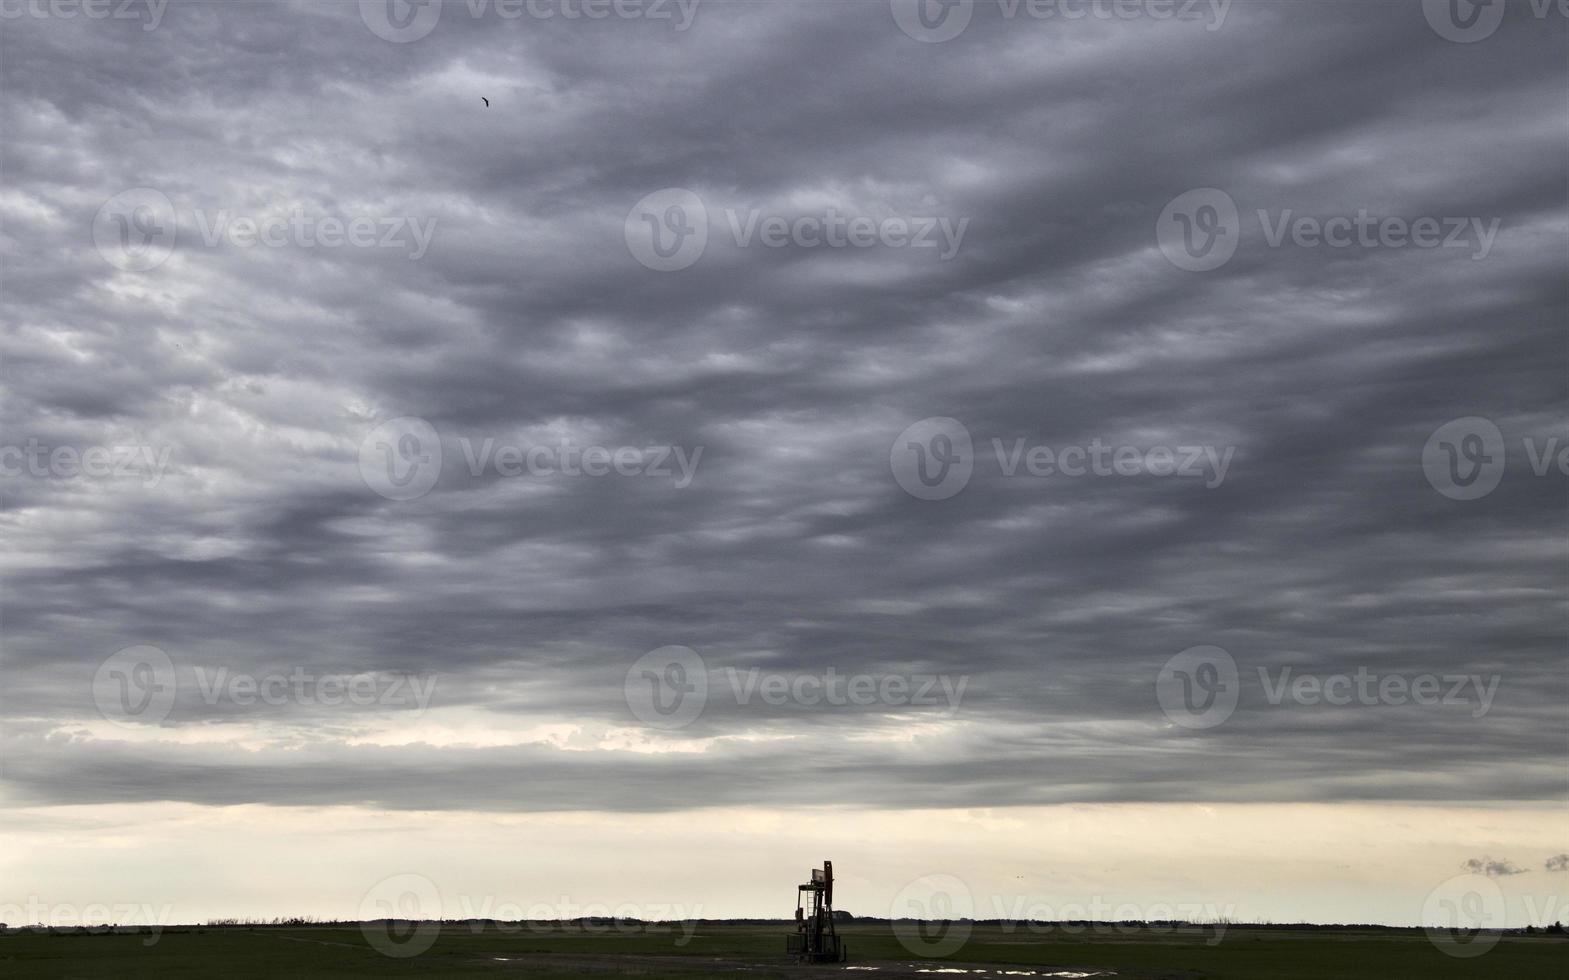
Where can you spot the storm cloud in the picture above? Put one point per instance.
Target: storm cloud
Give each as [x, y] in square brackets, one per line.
[242, 241]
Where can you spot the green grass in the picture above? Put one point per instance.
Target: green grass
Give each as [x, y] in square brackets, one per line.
[306, 952]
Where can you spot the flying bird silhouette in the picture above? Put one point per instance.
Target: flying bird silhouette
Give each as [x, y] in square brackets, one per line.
[486, 101]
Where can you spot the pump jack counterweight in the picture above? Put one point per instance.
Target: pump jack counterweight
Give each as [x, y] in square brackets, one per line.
[815, 940]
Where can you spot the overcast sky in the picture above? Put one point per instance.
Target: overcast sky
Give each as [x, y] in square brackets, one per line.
[311, 359]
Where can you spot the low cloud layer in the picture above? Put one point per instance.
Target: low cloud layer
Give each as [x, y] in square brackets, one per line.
[1493, 869]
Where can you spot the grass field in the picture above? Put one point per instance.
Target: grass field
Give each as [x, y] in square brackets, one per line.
[464, 950]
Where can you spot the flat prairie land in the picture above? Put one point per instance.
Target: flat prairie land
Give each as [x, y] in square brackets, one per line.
[706, 950]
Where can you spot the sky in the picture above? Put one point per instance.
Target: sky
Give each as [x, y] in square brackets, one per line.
[1030, 455]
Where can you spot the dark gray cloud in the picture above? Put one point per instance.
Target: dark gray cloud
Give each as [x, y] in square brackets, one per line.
[1491, 868]
[1325, 551]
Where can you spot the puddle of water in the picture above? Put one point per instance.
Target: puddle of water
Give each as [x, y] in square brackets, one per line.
[1064, 974]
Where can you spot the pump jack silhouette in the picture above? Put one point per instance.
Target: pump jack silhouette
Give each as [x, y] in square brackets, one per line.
[815, 940]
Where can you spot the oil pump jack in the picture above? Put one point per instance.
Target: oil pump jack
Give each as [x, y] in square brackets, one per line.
[815, 940]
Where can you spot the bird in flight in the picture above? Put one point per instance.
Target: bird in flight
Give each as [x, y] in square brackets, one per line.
[486, 101]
